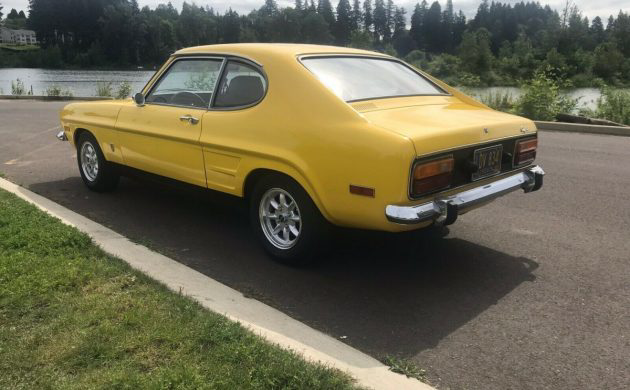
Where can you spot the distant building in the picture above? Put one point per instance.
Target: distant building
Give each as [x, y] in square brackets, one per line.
[17, 37]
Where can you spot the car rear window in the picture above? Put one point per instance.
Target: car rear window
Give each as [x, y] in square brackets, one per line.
[363, 78]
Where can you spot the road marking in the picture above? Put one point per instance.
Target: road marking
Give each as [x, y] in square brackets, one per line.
[15, 160]
[271, 324]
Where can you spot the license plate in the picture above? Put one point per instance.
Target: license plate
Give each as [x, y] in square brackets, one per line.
[488, 161]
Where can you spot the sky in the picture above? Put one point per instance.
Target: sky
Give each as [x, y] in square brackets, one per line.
[590, 8]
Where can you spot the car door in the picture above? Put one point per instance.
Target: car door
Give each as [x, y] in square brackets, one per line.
[162, 136]
[232, 126]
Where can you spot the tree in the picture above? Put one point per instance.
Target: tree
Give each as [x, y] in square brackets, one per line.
[357, 15]
[1, 11]
[343, 24]
[315, 29]
[324, 8]
[417, 24]
[432, 27]
[475, 51]
[381, 29]
[368, 19]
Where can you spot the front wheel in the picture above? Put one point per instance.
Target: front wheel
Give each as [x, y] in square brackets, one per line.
[97, 174]
[286, 221]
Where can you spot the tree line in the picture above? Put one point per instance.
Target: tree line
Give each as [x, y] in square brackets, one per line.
[503, 44]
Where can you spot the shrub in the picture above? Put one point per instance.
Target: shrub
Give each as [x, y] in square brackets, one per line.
[17, 88]
[614, 105]
[542, 98]
[124, 90]
[55, 90]
[104, 89]
[499, 100]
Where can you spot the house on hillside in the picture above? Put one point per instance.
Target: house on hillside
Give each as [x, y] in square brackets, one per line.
[17, 37]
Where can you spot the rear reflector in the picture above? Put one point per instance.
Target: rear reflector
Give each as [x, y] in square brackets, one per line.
[525, 151]
[432, 176]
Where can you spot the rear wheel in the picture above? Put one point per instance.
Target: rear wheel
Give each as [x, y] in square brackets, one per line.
[97, 174]
[286, 221]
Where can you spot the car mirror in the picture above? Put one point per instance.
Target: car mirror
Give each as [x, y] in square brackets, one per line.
[139, 99]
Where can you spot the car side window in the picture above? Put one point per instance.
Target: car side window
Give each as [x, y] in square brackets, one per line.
[241, 85]
[188, 83]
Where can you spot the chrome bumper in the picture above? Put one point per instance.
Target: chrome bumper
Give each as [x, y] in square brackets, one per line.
[61, 136]
[444, 211]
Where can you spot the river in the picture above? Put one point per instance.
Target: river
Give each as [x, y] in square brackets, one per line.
[83, 82]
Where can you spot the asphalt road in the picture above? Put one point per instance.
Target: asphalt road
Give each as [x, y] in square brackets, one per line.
[529, 292]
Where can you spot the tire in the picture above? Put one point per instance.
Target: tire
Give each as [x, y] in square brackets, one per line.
[303, 231]
[97, 174]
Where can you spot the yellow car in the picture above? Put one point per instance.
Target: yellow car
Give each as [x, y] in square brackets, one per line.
[310, 136]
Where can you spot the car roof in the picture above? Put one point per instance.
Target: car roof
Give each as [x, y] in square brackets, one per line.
[256, 50]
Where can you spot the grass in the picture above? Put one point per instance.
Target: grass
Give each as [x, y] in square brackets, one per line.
[12, 47]
[72, 316]
[405, 367]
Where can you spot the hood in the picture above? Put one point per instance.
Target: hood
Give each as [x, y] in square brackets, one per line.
[441, 123]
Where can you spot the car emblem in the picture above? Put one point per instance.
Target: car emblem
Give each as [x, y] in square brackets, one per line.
[485, 130]
[524, 130]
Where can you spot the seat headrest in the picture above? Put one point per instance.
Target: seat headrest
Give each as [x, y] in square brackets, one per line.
[241, 91]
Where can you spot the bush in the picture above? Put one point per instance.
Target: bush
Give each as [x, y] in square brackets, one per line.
[124, 90]
[55, 90]
[17, 88]
[104, 89]
[542, 98]
[613, 105]
[499, 100]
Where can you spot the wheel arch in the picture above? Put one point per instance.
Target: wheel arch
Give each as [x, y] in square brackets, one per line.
[254, 176]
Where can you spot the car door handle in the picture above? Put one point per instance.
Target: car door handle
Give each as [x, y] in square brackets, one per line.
[191, 119]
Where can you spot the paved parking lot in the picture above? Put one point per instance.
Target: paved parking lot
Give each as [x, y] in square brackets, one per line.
[530, 292]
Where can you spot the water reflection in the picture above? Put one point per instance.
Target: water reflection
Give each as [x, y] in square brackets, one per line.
[80, 82]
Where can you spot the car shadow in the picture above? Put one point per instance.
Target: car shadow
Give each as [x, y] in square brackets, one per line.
[385, 294]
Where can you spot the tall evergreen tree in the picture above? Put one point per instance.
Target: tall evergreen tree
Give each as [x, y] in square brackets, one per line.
[368, 17]
[343, 25]
[417, 24]
[357, 15]
[381, 29]
[433, 28]
[324, 8]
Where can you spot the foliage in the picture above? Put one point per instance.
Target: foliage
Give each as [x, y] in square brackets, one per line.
[55, 90]
[104, 89]
[499, 100]
[17, 88]
[613, 105]
[75, 318]
[405, 367]
[503, 44]
[201, 81]
[542, 98]
[124, 90]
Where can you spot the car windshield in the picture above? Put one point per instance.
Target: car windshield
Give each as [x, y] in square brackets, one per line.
[363, 78]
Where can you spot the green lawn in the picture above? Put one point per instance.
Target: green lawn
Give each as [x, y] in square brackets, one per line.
[7, 46]
[72, 316]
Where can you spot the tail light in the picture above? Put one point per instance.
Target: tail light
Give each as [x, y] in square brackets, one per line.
[432, 176]
[525, 151]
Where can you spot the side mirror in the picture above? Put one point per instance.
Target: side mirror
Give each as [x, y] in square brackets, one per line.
[139, 99]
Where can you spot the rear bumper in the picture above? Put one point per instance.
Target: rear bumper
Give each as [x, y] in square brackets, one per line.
[444, 211]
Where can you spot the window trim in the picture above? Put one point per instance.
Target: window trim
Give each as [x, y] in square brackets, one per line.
[374, 57]
[164, 73]
[257, 67]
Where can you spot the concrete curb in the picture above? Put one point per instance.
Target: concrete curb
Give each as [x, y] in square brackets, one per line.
[53, 98]
[264, 320]
[583, 128]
